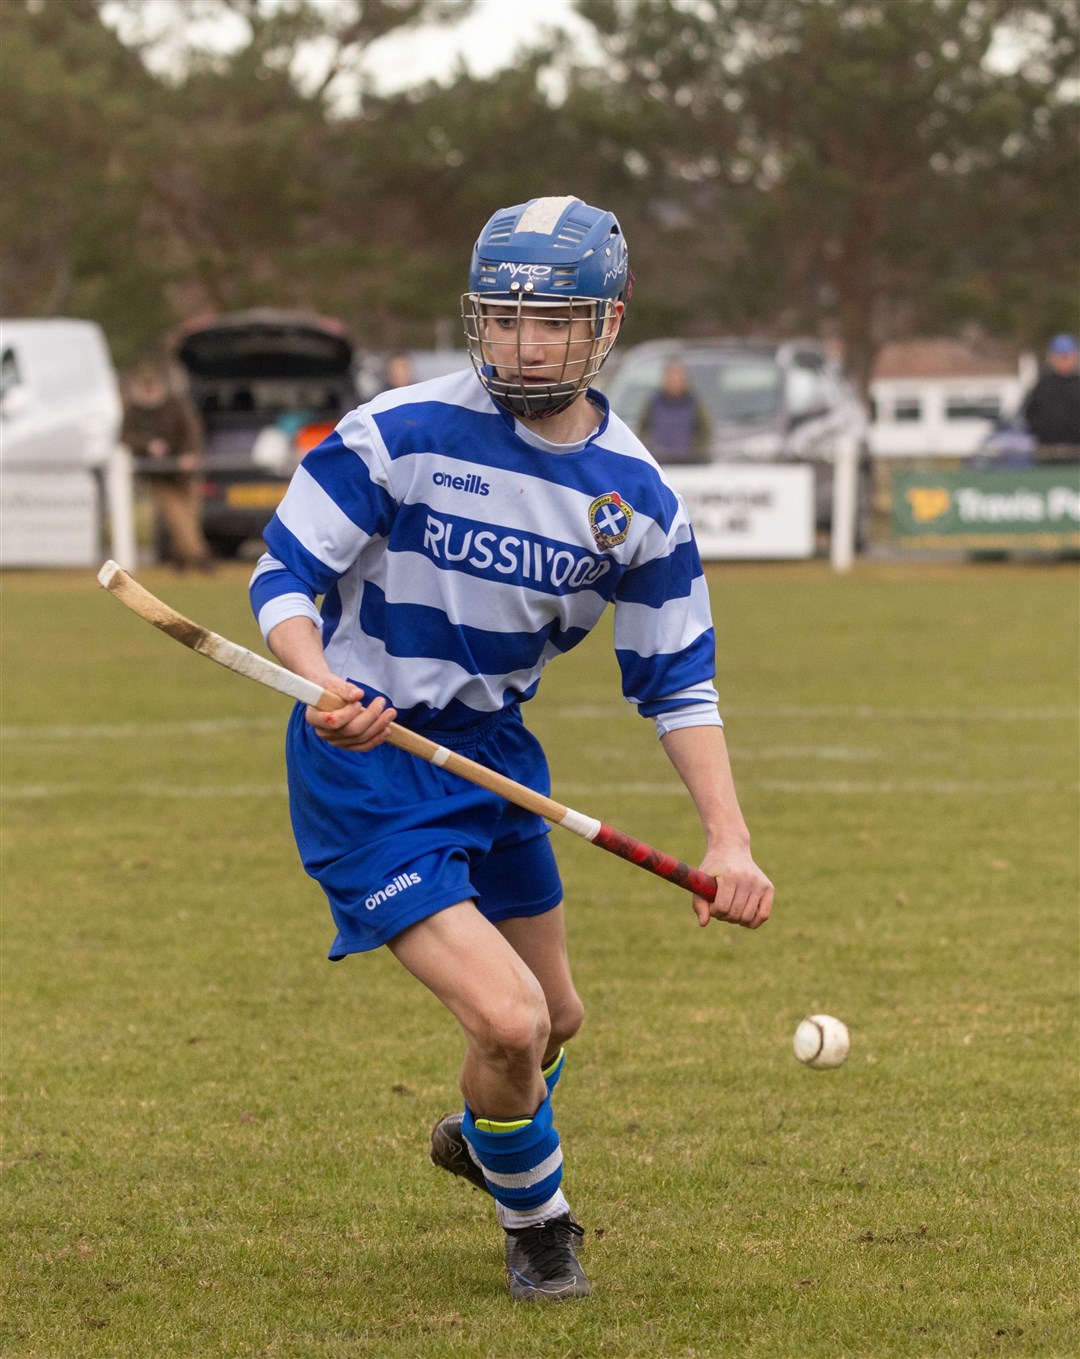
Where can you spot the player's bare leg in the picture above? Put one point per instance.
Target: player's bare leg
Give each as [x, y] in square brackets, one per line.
[468, 964]
[540, 941]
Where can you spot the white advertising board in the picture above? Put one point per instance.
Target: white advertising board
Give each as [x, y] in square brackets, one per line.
[749, 511]
[49, 517]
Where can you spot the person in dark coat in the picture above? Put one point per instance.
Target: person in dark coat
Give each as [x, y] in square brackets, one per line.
[165, 435]
[1051, 408]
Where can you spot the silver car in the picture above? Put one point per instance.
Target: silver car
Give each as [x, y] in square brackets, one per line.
[762, 401]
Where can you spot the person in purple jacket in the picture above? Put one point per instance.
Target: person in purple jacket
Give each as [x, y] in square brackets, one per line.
[675, 427]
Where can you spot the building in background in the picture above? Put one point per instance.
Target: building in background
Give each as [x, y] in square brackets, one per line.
[943, 396]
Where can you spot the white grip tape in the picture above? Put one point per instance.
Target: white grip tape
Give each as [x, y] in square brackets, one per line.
[585, 826]
[440, 755]
[250, 664]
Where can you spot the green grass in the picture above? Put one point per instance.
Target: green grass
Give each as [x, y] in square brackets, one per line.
[215, 1143]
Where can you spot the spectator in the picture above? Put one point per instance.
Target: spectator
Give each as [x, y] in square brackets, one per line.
[399, 370]
[1052, 406]
[674, 426]
[165, 435]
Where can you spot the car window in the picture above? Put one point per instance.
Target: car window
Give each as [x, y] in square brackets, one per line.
[734, 389]
[984, 406]
[634, 382]
[737, 391]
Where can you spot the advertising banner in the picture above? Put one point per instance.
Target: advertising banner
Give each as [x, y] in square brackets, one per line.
[748, 511]
[1034, 509]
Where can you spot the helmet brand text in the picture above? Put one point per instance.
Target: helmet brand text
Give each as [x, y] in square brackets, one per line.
[533, 271]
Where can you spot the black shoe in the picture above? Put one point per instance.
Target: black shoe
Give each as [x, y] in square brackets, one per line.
[450, 1152]
[542, 1263]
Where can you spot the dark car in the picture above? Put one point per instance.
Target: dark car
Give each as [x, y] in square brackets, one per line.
[763, 401]
[269, 385]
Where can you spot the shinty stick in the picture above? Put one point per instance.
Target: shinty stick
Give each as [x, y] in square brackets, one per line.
[244, 662]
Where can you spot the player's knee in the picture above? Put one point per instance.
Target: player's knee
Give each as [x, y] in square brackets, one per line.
[515, 1026]
[567, 1016]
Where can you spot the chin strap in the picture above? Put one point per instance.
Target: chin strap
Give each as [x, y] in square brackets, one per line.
[533, 403]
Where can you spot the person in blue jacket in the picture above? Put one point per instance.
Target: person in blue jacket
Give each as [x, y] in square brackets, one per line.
[674, 427]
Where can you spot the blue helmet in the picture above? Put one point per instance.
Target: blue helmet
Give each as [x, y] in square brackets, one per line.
[547, 253]
[551, 248]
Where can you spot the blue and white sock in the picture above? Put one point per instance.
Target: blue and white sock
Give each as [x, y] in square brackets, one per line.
[522, 1164]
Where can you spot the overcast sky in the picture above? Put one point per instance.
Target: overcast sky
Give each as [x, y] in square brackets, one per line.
[485, 42]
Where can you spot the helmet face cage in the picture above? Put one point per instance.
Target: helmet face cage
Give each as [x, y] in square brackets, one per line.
[582, 332]
[548, 282]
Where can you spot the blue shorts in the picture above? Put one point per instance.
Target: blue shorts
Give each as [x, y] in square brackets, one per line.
[392, 839]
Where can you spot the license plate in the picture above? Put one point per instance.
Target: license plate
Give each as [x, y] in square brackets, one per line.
[255, 495]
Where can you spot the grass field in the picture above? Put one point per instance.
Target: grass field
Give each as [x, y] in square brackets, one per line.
[215, 1143]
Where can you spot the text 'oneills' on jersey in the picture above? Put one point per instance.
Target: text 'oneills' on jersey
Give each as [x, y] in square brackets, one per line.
[471, 484]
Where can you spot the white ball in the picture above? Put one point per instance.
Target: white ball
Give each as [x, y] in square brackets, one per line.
[821, 1042]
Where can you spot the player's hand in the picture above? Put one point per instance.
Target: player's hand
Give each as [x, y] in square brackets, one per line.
[744, 895]
[357, 726]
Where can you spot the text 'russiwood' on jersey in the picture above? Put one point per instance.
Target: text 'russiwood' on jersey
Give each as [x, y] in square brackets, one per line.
[516, 557]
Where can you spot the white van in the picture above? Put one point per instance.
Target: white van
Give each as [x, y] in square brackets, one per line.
[59, 395]
[60, 416]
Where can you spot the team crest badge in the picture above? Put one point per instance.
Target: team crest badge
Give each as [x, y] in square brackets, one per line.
[609, 519]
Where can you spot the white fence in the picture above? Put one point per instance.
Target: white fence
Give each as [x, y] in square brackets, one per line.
[65, 515]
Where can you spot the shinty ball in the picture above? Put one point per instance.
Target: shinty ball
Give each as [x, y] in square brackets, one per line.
[822, 1041]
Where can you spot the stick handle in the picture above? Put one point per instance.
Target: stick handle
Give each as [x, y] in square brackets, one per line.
[512, 791]
[596, 832]
[244, 662]
[655, 861]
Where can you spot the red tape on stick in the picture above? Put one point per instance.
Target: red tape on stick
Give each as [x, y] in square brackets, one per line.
[653, 861]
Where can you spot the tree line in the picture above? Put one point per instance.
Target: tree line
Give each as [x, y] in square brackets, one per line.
[857, 169]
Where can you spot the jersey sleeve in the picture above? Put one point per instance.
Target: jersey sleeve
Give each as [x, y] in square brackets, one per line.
[339, 499]
[664, 638]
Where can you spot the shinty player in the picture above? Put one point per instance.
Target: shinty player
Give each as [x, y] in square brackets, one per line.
[463, 532]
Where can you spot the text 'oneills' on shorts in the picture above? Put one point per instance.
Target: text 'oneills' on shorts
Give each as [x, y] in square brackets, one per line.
[392, 839]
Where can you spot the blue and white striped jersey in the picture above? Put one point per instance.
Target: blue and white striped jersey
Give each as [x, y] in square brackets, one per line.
[457, 554]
